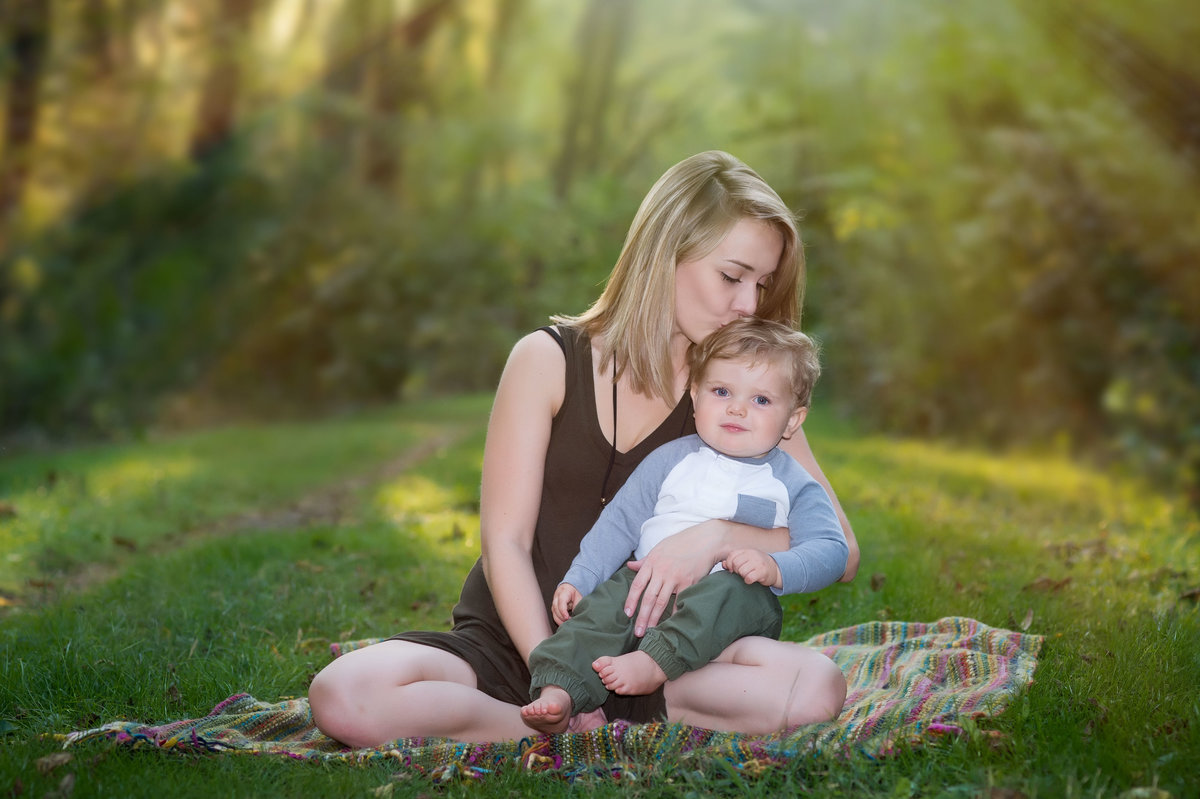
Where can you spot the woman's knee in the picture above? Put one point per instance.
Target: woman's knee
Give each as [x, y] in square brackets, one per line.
[823, 694]
[330, 699]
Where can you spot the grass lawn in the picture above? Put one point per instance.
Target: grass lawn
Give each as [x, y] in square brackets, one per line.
[150, 580]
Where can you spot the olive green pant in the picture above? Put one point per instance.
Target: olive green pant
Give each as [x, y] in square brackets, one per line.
[702, 620]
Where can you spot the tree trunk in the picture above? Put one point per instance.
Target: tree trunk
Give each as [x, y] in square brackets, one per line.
[27, 33]
[397, 83]
[96, 23]
[216, 116]
[603, 33]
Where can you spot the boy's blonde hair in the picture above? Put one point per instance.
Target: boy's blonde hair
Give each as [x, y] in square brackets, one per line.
[686, 214]
[759, 339]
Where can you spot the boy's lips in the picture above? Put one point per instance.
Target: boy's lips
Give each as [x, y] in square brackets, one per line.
[733, 428]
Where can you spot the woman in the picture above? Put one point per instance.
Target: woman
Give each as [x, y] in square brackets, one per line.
[577, 407]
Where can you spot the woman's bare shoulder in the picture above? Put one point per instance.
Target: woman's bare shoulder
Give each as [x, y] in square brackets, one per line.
[536, 368]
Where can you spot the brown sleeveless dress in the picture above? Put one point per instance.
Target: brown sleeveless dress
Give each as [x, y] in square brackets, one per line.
[576, 463]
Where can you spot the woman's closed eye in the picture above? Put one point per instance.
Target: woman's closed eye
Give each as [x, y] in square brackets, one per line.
[730, 278]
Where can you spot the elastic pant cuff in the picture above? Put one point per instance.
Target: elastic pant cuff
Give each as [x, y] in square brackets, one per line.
[657, 647]
[583, 696]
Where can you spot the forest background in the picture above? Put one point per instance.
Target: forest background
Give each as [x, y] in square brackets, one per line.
[233, 208]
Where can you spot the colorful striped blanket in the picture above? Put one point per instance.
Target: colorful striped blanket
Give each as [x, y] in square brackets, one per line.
[907, 682]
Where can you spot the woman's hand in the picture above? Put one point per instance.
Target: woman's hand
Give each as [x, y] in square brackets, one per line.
[675, 563]
[682, 559]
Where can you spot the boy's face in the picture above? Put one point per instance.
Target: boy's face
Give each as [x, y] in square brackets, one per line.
[744, 409]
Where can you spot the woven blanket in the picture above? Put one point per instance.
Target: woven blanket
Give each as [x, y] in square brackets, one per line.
[906, 682]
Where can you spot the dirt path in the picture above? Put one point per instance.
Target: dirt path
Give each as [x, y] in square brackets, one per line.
[333, 503]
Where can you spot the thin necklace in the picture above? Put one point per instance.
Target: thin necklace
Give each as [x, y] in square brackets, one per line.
[612, 455]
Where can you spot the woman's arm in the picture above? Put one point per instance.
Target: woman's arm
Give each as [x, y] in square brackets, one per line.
[797, 446]
[680, 560]
[530, 392]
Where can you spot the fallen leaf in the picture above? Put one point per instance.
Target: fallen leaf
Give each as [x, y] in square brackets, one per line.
[50, 762]
[1192, 593]
[1145, 793]
[1028, 620]
[1006, 793]
[1171, 727]
[7, 510]
[66, 786]
[1046, 584]
[304, 565]
[125, 543]
[877, 581]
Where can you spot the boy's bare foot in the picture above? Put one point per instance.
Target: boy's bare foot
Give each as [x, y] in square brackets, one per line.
[633, 673]
[550, 712]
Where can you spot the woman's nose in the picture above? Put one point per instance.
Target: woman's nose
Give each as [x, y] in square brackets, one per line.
[745, 302]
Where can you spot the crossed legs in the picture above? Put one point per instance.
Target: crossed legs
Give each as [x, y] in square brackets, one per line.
[399, 689]
[758, 686]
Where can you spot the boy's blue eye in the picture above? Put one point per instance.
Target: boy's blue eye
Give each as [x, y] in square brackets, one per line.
[721, 392]
[761, 400]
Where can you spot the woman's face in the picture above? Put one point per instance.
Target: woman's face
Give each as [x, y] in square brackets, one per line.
[724, 285]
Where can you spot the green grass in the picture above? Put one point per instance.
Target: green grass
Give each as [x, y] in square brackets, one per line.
[150, 580]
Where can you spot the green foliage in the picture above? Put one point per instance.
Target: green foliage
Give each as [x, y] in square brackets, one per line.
[998, 202]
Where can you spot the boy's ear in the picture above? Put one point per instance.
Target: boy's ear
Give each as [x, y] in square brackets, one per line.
[794, 422]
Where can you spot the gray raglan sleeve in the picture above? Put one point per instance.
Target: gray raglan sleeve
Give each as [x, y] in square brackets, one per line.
[614, 536]
[818, 552]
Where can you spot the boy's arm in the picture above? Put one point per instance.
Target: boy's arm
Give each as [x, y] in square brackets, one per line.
[797, 446]
[818, 552]
[615, 534]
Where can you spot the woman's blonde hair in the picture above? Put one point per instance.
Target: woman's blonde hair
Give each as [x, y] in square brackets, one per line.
[685, 215]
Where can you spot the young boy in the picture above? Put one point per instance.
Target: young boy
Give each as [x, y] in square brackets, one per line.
[751, 382]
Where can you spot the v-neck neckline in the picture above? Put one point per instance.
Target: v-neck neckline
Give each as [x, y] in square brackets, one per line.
[648, 441]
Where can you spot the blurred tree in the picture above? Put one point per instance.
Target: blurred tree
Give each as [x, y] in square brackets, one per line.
[603, 33]
[215, 123]
[397, 81]
[26, 28]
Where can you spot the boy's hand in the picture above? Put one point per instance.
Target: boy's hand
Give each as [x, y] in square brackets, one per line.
[566, 596]
[754, 566]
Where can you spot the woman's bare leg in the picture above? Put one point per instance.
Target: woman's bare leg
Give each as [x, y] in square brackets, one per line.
[758, 686]
[398, 689]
